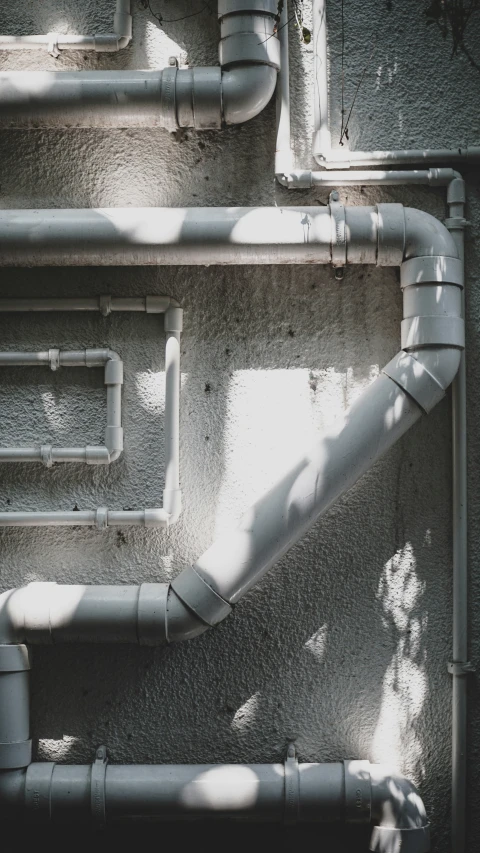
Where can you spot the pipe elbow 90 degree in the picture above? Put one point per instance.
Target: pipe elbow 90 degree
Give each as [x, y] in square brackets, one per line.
[398, 812]
[246, 91]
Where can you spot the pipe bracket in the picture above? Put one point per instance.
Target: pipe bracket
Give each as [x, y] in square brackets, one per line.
[292, 787]
[97, 791]
[339, 233]
[461, 668]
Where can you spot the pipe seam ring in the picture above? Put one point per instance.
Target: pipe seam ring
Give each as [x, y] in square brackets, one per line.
[409, 839]
[105, 303]
[432, 269]
[38, 791]
[193, 591]
[292, 788]
[54, 358]
[14, 756]
[358, 792]
[339, 234]
[14, 658]
[152, 614]
[427, 331]
[413, 378]
[101, 518]
[46, 455]
[97, 790]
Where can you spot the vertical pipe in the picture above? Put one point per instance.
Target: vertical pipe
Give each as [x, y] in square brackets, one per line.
[283, 152]
[460, 576]
[172, 406]
[322, 141]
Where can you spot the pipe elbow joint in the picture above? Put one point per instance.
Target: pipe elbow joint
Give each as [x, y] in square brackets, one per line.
[11, 617]
[398, 812]
[426, 236]
[246, 91]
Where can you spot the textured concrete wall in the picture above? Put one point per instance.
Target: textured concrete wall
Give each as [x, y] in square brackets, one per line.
[343, 648]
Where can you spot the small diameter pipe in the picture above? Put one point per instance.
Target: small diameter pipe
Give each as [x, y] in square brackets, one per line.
[340, 159]
[100, 43]
[103, 517]
[460, 666]
[113, 378]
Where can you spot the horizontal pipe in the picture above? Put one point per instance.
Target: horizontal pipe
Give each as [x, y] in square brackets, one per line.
[305, 179]
[182, 236]
[102, 304]
[350, 792]
[204, 98]
[56, 42]
[446, 156]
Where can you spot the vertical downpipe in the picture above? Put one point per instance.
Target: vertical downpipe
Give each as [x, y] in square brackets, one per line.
[460, 665]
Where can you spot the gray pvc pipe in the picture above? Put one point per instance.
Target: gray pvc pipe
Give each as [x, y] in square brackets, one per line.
[353, 792]
[205, 98]
[239, 235]
[460, 666]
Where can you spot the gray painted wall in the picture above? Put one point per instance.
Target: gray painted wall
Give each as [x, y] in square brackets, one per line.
[344, 647]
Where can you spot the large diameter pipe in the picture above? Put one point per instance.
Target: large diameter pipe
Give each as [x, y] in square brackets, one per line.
[353, 792]
[236, 561]
[383, 235]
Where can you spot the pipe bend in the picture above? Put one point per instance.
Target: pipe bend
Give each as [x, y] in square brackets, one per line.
[11, 617]
[426, 236]
[182, 623]
[246, 91]
[399, 813]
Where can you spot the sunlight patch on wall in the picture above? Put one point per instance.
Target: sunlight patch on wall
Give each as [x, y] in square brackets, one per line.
[404, 688]
[271, 416]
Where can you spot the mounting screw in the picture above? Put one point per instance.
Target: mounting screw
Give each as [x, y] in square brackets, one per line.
[334, 195]
[339, 273]
[173, 61]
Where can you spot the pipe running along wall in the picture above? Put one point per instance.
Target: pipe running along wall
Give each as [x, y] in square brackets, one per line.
[204, 98]
[100, 43]
[103, 517]
[410, 384]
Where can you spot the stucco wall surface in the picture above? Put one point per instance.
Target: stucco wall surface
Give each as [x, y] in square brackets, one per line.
[343, 648]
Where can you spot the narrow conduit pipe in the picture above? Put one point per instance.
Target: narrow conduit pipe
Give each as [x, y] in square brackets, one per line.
[102, 517]
[329, 158]
[100, 43]
[339, 172]
[204, 98]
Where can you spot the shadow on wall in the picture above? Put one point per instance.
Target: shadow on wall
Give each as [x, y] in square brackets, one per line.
[321, 674]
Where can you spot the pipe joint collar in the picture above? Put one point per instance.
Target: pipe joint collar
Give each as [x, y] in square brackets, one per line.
[14, 658]
[14, 756]
[410, 375]
[433, 331]
[385, 839]
[257, 48]
[152, 614]
[431, 269]
[38, 792]
[358, 792]
[339, 234]
[192, 590]
[390, 235]
[233, 7]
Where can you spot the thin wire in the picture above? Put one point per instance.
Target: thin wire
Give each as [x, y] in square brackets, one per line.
[342, 129]
[345, 128]
[161, 20]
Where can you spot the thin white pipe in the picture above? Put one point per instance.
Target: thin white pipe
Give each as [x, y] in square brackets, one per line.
[103, 517]
[340, 159]
[100, 43]
[460, 666]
